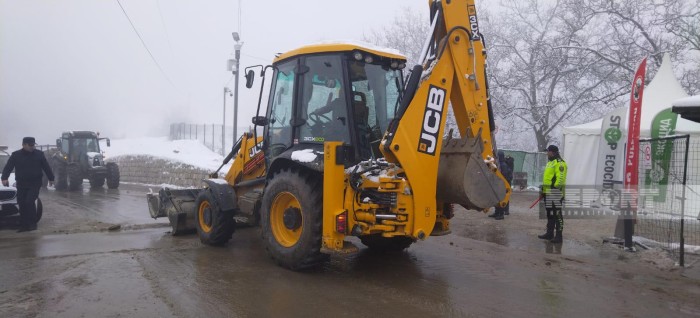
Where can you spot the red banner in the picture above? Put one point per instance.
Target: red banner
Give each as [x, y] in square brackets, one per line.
[632, 155]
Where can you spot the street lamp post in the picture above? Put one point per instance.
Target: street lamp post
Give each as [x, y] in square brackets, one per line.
[223, 125]
[237, 47]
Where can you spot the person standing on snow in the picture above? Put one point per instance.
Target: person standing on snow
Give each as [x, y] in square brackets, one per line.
[28, 164]
[553, 184]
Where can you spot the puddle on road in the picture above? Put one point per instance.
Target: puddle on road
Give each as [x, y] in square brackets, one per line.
[85, 243]
[523, 241]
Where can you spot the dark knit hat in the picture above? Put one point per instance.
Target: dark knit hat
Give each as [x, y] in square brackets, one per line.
[28, 140]
[552, 148]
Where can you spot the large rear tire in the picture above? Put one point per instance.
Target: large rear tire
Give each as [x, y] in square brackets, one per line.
[291, 217]
[112, 175]
[61, 176]
[75, 177]
[376, 242]
[215, 227]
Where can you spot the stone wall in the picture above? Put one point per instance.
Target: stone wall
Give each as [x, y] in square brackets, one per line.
[151, 170]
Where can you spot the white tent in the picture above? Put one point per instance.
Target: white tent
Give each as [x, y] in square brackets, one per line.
[581, 141]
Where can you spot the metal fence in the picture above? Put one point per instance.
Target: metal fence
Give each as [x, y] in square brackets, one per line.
[528, 168]
[215, 137]
[669, 201]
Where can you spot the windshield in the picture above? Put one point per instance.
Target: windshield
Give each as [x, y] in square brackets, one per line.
[375, 94]
[86, 145]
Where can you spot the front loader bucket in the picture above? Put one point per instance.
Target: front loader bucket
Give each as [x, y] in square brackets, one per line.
[464, 178]
[177, 205]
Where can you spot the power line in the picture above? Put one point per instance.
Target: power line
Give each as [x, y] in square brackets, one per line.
[257, 58]
[146, 47]
[162, 21]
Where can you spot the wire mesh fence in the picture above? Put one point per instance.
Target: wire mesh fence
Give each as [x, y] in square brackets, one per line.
[669, 201]
[528, 168]
[216, 137]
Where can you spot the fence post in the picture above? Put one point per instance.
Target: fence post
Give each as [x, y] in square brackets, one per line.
[685, 177]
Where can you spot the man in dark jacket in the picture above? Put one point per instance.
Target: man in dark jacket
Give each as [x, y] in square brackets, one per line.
[28, 164]
[507, 172]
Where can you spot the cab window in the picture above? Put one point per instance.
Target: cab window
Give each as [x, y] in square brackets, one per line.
[279, 129]
[323, 107]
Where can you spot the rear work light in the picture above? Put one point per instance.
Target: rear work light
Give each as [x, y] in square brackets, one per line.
[341, 222]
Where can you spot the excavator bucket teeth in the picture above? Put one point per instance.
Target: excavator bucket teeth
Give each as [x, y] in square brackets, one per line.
[465, 178]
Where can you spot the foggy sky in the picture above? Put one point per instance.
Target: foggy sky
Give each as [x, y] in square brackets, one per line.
[79, 65]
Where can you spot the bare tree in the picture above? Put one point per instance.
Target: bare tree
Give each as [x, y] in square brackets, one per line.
[560, 62]
[406, 34]
[632, 29]
[538, 75]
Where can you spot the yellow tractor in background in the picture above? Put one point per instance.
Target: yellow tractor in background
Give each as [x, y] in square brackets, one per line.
[349, 149]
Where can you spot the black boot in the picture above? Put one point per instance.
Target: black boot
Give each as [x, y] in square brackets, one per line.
[550, 231]
[557, 238]
[547, 236]
[499, 216]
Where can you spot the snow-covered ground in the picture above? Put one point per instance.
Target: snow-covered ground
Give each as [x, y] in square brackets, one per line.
[191, 152]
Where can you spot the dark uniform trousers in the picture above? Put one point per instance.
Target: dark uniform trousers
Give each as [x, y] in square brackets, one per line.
[26, 199]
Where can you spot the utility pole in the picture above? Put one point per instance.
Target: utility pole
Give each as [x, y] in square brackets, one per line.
[223, 125]
[237, 46]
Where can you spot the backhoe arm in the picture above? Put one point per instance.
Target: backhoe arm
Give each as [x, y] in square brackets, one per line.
[463, 170]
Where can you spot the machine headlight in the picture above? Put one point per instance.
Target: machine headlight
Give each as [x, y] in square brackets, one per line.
[368, 59]
[357, 56]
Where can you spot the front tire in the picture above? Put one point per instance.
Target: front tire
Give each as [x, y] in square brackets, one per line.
[97, 181]
[61, 176]
[112, 175]
[39, 209]
[291, 217]
[215, 227]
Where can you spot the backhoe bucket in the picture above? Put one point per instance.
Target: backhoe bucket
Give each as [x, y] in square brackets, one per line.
[464, 178]
[177, 205]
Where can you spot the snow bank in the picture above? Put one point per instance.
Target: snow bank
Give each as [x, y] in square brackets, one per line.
[191, 152]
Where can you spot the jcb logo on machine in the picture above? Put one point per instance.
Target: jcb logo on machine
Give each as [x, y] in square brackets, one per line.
[473, 22]
[431, 120]
[253, 151]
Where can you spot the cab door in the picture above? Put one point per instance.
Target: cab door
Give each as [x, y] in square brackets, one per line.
[280, 113]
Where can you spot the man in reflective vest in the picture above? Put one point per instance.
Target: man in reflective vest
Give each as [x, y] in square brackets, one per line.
[553, 184]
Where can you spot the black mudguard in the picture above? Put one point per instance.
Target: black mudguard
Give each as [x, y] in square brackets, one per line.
[223, 193]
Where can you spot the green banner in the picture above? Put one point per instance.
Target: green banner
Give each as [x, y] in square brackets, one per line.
[663, 125]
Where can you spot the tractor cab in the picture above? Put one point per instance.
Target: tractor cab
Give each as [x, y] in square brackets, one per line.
[79, 157]
[80, 147]
[334, 92]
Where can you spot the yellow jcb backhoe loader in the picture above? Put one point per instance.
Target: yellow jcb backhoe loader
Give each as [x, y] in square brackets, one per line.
[349, 149]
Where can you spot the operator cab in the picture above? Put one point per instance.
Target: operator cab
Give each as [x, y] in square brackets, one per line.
[81, 146]
[334, 92]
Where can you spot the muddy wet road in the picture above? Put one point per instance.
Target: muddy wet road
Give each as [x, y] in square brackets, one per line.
[75, 267]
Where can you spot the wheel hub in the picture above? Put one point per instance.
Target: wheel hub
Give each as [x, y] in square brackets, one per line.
[292, 218]
[207, 216]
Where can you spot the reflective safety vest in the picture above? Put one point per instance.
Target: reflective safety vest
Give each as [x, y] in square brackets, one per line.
[554, 175]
